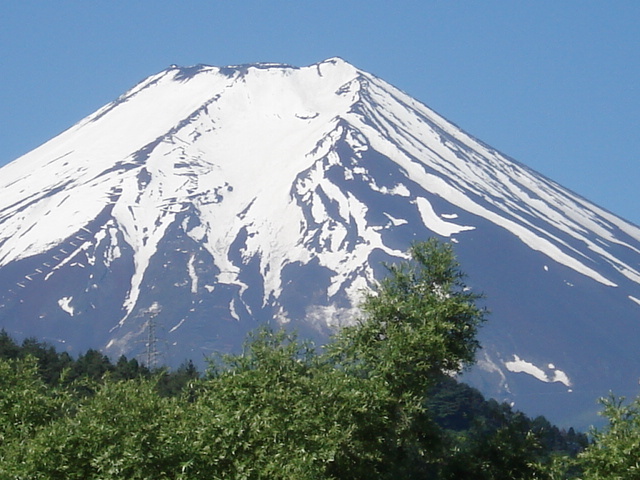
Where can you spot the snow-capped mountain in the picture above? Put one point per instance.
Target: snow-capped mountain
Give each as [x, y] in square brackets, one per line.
[207, 200]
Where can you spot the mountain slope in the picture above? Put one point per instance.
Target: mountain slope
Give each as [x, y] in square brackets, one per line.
[206, 200]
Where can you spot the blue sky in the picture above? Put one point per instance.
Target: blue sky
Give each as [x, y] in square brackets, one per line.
[554, 84]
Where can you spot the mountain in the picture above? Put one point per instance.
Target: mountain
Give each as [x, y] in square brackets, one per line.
[206, 200]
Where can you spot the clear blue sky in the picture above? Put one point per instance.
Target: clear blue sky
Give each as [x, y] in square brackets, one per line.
[553, 83]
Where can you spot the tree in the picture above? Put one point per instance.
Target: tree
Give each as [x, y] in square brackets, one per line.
[174, 382]
[9, 349]
[615, 450]
[27, 405]
[419, 323]
[282, 411]
[126, 369]
[510, 452]
[92, 365]
[125, 431]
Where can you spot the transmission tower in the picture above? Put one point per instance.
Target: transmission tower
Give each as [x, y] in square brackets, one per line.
[152, 340]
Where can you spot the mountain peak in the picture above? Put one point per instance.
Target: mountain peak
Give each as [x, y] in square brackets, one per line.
[182, 73]
[336, 61]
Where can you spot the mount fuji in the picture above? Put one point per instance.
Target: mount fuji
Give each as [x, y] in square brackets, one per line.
[206, 201]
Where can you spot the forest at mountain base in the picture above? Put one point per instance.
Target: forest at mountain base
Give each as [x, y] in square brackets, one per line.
[378, 401]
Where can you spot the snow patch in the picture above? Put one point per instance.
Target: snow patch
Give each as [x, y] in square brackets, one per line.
[233, 311]
[634, 299]
[399, 190]
[434, 222]
[517, 365]
[178, 325]
[66, 260]
[396, 222]
[65, 305]
[560, 376]
[192, 274]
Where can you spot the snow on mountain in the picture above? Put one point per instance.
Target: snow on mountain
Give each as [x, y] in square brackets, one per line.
[207, 200]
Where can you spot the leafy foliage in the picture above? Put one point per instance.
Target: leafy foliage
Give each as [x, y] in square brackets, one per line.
[615, 451]
[420, 322]
[281, 411]
[124, 431]
[25, 401]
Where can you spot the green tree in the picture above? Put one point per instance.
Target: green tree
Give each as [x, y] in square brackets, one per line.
[92, 365]
[615, 450]
[171, 383]
[126, 369]
[124, 431]
[9, 349]
[420, 322]
[281, 411]
[510, 452]
[27, 405]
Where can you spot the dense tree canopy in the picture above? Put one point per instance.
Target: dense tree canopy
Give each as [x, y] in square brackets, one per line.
[419, 323]
[615, 451]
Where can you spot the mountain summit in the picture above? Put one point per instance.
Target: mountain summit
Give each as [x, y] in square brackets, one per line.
[207, 200]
